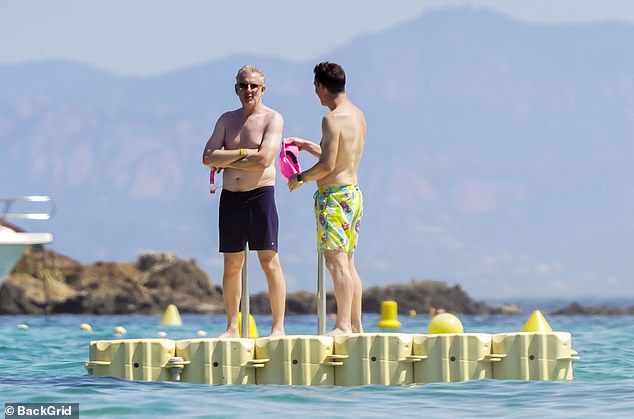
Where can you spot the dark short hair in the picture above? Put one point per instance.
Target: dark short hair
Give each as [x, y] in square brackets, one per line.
[332, 76]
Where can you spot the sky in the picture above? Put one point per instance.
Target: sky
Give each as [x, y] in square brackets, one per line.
[151, 37]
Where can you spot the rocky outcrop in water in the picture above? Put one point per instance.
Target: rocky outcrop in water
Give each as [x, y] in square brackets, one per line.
[420, 296]
[52, 283]
[603, 310]
[47, 283]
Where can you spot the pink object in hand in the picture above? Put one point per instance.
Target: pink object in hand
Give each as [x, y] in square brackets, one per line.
[289, 159]
[212, 183]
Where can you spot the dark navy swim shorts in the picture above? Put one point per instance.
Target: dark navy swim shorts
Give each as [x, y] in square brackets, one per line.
[249, 216]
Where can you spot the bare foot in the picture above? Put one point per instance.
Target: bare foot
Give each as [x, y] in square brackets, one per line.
[230, 333]
[336, 332]
[277, 333]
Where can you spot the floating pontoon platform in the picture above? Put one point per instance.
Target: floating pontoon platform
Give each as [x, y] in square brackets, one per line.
[346, 360]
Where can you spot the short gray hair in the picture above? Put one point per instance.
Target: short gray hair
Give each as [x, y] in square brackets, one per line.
[250, 69]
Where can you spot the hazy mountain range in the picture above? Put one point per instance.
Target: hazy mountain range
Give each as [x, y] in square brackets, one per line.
[499, 155]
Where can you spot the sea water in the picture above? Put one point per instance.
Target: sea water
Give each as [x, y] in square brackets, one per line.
[44, 364]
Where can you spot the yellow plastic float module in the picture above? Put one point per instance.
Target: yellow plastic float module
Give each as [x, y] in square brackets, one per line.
[132, 359]
[346, 360]
[451, 357]
[533, 356]
[373, 358]
[218, 361]
[296, 360]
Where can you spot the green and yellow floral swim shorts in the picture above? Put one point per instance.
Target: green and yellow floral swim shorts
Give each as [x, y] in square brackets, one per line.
[338, 211]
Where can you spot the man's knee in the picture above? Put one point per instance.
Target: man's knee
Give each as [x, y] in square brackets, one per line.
[337, 267]
[269, 260]
[233, 263]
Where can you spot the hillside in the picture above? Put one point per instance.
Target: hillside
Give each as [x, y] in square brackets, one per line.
[498, 155]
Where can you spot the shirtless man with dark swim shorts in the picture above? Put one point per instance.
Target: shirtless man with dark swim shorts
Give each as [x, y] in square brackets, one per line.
[338, 200]
[245, 143]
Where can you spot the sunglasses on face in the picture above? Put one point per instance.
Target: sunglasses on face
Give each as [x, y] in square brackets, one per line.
[253, 86]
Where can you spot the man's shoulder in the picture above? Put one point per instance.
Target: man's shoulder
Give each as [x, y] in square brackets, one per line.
[230, 115]
[272, 113]
[273, 117]
[337, 116]
[344, 113]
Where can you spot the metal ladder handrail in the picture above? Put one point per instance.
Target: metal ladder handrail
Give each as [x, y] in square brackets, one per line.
[245, 306]
[7, 203]
[321, 295]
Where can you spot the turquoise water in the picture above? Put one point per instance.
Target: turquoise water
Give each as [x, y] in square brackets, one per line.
[44, 364]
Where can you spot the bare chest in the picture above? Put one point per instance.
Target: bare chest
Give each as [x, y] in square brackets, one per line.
[245, 134]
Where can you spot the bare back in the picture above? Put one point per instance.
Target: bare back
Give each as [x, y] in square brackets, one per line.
[344, 131]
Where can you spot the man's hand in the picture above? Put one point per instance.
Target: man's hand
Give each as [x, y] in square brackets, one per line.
[299, 142]
[293, 183]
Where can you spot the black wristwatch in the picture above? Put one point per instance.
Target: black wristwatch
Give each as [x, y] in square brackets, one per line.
[299, 178]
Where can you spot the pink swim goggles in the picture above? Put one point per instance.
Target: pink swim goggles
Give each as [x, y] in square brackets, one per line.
[213, 186]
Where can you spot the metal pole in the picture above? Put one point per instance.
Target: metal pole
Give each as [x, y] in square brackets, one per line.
[244, 302]
[321, 295]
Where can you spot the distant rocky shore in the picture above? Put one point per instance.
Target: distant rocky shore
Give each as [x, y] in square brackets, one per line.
[50, 283]
[578, 309]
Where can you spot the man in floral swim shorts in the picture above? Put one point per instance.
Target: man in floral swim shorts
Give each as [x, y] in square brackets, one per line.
[338, 211]
[338, 200]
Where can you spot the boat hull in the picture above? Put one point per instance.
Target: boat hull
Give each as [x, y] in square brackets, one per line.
[9, 256]
[12, 245]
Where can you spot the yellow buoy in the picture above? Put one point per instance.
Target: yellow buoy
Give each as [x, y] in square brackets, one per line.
[536, 323]
[120, 330]
[412, 313]
[389, 314]
[253, 329]
[171, 317]
[85, 327]
[445, 323]
[22, 326]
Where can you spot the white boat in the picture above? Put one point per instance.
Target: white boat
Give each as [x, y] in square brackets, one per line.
[13, 241]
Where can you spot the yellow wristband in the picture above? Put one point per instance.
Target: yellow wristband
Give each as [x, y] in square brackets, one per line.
[242, 153]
